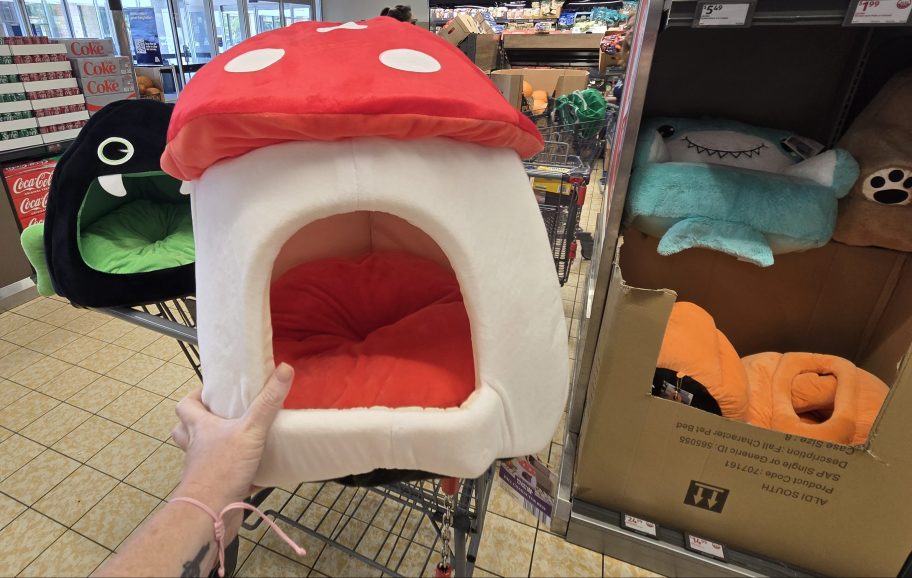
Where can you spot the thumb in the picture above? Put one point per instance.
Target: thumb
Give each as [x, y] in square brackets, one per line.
[262, 412]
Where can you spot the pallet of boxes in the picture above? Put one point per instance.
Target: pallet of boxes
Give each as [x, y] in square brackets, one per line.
[40, 100]
[103, 77]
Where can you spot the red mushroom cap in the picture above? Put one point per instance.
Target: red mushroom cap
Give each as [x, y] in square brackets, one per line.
[323, 81]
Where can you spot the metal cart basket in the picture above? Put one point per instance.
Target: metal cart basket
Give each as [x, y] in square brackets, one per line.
[560, 174]
[397, 529]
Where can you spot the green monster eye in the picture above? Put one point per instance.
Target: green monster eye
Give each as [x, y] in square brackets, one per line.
[115, 151]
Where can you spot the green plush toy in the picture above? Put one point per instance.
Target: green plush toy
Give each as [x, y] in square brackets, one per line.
[32, 240]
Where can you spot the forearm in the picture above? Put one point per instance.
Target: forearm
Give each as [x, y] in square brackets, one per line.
[177, 541]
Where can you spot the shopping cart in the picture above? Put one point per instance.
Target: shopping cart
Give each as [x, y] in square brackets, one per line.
[560, 174]
[399, 529]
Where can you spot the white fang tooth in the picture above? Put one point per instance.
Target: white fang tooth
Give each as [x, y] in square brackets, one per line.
[187, 187]
[113, 184]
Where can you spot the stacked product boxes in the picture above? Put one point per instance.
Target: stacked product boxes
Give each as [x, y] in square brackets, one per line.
[40, 100]
[103, 77]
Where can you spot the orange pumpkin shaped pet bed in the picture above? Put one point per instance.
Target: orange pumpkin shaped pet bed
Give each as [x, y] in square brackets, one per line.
[811, 395]
[816, 396]
[361, 212]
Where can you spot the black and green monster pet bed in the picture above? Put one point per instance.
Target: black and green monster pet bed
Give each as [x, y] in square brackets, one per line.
[118, 230]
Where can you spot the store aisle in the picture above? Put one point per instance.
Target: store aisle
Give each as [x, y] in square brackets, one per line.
[86, 408]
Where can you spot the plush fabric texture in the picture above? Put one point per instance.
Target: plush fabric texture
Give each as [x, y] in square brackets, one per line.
[139, 237]
[490, 234]
[693, 347]
[32, 240]
[731, 187]
[142, 124]
[325, 82]
[878, 210]
[384, 329]
[817, 396]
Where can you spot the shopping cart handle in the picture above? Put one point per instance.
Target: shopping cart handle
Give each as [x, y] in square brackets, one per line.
[153, 322]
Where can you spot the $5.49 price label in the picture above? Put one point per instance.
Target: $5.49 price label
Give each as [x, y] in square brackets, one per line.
[868, 12]
[723, 13]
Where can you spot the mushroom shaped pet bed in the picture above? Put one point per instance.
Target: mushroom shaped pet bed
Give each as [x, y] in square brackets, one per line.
[117, 230]
[361, 212]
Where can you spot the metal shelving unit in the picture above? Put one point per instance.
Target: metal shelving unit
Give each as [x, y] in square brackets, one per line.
[796, 64]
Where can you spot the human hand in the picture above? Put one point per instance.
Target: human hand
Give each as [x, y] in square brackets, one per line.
[222, 455]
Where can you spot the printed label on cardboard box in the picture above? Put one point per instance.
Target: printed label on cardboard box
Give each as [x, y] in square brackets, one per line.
[83, 47]
[804, 469]
[102, 85]
[105, 66]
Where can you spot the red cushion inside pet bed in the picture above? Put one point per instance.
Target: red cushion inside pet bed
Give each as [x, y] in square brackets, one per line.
[384, 329]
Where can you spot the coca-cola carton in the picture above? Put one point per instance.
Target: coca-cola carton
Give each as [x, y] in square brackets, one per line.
[104, 66]
[104, 85]
[28, 185]
[87, 47]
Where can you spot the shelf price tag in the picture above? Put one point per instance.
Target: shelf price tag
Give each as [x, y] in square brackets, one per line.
[870, 12]
[640, 525]
[705, 547]
[722, 13]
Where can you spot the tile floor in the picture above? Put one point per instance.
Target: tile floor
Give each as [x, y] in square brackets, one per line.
[86, 408]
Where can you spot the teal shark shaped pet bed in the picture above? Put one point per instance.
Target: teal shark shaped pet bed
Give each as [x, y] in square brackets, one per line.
[747, 191]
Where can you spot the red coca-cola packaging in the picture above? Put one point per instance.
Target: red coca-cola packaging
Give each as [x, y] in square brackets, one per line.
[103, 66]
[28, 185]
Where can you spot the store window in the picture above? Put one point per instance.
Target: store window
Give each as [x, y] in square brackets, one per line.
[47, 18]
[90, 18]
[298, 11]
[228, 25]
[155, 20]
[264, 16]
[9, 18]
[195, 32]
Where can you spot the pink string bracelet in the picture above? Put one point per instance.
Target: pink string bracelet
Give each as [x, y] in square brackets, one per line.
[219, 527]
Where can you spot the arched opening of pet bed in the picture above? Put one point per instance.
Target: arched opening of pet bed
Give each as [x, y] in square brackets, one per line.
[367, 309]
[135, 223]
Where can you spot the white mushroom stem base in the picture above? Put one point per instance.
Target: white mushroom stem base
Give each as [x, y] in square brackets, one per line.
[476, 203]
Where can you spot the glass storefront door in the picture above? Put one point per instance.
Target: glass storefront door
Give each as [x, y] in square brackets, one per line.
[194, 29]
[229, 28]
[264, 16]
[298, 11]
[160, 20]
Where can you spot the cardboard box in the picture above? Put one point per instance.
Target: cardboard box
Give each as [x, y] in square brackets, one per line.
[483, 50]
[102, 66]
[95, 103]
[31, 49]
[87, 47]
[28, 184]
[458, 29]
[20, 143]
[554, 81]
[102, 85]
[825, 507]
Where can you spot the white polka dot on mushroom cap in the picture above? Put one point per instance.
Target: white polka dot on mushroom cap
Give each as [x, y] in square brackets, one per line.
[409, 60]
[346, 26]
[255, 60]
